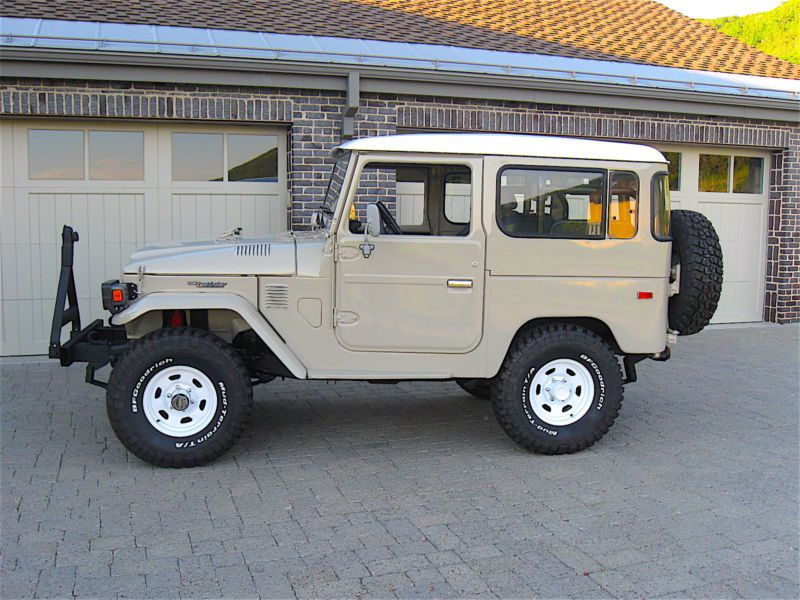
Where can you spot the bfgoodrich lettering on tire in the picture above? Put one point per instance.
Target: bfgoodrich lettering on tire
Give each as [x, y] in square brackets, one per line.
[179, 397]
[559, 390]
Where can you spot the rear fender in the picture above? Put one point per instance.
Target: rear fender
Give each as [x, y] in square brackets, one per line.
[159, 301]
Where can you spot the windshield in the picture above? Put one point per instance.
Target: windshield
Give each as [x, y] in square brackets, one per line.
[335, 183]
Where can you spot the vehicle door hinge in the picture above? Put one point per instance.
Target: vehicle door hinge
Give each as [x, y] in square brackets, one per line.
[343, 317]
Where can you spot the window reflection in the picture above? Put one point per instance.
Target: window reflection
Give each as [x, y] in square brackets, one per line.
[714, 173]
[252, 157]
[55, 154]
[674, 159]
[748, 175]
[458, 198]
[661, 206]
[116, 155]
[197, 156]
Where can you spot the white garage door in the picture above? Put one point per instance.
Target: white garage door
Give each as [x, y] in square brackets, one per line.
[120, 186]
[730, 188]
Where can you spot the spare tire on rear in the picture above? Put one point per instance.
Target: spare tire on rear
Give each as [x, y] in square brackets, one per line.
[697, 252]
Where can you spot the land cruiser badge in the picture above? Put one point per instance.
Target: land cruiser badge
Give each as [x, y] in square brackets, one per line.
[207, 284]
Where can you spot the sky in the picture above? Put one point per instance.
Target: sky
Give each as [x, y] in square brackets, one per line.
[710, 9]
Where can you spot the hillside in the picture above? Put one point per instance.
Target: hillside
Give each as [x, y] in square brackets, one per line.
[775, 32]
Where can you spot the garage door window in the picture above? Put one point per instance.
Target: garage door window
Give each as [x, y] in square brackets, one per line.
[224, 157]
[748, 175]
[116, 155]
[55, 154]
[197, 156]
[252, 157]
[674, 159]
[714, 173]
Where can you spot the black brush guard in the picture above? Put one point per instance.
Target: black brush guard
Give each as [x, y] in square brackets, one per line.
[96, 344]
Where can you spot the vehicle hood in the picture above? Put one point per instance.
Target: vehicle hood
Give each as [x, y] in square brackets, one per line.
[263, 255]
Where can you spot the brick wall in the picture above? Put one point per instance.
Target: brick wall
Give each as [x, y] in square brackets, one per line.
[313, 121]
[782, 302]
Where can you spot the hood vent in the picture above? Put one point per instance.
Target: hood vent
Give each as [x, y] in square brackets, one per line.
[252, 250]
[276, 296]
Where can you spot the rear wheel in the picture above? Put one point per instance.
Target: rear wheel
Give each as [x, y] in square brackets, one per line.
[179, 397]
[559, 390]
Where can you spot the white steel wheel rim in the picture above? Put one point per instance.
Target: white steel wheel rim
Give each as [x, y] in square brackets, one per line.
[561, 392]
[180, 401]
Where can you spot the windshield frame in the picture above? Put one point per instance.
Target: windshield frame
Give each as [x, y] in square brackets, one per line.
[333, 192]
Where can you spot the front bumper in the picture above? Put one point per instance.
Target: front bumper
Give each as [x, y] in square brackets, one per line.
[96, 344]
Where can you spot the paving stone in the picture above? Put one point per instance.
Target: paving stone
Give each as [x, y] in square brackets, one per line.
[56, 583]
[413, 491]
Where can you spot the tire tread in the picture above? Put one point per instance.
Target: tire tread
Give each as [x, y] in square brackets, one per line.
[696, 244]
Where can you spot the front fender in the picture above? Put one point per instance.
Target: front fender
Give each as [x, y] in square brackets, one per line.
[158, 301]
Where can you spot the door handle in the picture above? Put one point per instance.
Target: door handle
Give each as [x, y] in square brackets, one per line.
[459, 283]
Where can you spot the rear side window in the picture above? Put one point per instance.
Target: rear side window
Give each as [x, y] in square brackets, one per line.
[551, 203]
[623, 205]
[660, 208]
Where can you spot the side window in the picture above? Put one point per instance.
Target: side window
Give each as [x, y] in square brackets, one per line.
[623, 205]
[661, 207]
[551, 203]
[458, 198]
[415, 195]
[400, 189]
[411, 186]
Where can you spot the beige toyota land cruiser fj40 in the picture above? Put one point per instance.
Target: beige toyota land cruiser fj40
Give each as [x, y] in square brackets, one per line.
[533, 271]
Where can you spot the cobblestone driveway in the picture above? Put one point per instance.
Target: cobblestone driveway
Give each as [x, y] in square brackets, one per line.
[412, 490]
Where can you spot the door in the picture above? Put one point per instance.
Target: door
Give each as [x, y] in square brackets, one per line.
[420, 290]
[730, 187]
[121, 185]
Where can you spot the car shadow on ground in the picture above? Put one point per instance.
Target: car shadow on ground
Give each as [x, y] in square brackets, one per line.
[312, 416]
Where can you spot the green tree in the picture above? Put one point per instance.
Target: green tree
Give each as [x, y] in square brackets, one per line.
[775, 32]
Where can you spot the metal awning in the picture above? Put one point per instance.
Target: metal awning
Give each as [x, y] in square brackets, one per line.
[85, 36]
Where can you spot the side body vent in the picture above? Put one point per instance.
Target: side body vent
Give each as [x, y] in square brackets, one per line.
[252, 250]
[276, 296]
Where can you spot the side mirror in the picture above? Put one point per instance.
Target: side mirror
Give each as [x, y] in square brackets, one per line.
[316, 220]
[373, 227]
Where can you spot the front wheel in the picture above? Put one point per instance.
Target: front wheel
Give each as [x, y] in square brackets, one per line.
[179, 397]
[559, 390]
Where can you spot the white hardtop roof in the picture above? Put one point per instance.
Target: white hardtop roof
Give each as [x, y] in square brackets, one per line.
[506, 144]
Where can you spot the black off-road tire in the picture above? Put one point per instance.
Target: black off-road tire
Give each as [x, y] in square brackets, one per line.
[480, 388]
[696, 247]
[535, 349]
[162, 349]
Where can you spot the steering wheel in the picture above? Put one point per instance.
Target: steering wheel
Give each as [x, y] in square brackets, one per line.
[390, 224]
